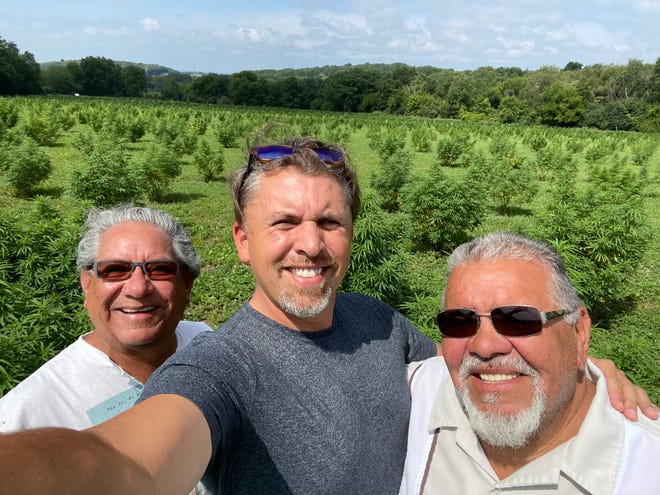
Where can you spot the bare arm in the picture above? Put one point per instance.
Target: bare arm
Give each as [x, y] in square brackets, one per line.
[162, 445]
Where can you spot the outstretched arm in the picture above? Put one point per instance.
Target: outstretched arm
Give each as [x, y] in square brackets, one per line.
[625, 396]
[162, 445]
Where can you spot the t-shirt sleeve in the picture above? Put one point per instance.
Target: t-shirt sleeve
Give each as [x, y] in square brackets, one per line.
[204, 373]
[420, 345]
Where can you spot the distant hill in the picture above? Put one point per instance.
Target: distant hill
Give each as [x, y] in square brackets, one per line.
[321, 72]
[150, 69]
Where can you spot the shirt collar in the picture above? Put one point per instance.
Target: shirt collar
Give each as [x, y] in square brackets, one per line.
[601, 431]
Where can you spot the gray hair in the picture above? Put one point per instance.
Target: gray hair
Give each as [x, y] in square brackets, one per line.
[97, 221]
[304, 160]
[512, 246]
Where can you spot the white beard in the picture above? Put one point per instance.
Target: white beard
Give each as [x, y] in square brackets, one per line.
[497, 429]
[295, 307]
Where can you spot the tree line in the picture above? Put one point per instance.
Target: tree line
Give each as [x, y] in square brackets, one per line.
[613, 97]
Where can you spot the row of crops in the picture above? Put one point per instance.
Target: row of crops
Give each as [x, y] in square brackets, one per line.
[428, 185]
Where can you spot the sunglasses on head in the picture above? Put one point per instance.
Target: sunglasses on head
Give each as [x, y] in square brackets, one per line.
[272, 152]
[265, 154]
[511, 321]
[118, 270]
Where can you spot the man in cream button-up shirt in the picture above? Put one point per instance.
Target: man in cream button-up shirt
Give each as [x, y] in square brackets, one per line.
[515, 406]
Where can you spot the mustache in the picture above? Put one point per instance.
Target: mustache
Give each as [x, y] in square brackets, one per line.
[306, 262]
[510, 363]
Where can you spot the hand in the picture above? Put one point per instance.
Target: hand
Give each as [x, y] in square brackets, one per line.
[625, 396]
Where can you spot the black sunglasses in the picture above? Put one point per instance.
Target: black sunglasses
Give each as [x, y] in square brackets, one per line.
[511, 321]
[118, 270]
[265, 154]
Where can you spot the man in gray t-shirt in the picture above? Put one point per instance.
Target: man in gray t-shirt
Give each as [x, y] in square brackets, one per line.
[303, 412]
[304, 390]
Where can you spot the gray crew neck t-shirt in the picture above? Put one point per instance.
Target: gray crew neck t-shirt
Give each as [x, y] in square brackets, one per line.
[302, 412]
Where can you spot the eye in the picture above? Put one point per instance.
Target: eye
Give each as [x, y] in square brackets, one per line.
[285, 222]
[329, 224]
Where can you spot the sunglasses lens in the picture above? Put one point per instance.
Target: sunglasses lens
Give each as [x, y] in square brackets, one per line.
[331, 157]
[273, 152]
[457, 323]
[117, 270]
[517, 321]
[162, 270]
[269, 153]
[113, 270]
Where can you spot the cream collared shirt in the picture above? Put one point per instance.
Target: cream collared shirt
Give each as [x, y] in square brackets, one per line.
[610, 455]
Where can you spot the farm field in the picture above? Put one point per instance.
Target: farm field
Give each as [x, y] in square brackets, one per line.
[428, 184]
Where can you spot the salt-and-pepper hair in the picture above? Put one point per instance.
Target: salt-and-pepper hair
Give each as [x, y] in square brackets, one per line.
[98, 220]
[305, 161]
[512, 246]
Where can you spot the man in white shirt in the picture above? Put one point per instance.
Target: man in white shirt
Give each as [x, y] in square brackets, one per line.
[517, 407]
[137, 268]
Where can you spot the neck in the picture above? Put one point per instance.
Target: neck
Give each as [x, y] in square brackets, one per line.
[137, 361]
[505, 461]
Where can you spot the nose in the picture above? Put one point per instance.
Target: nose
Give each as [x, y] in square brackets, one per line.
[137, 285]
[487, 342]
[309, 239]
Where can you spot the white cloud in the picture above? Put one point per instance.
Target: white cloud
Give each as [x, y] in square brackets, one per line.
[148, 25]
[646, 5]
[102, 31]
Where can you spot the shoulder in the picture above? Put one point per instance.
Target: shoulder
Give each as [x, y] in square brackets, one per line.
[186, 330]
[362, 306]
[67, 361]
[429, 371]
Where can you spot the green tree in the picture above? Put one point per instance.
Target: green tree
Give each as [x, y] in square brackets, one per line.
[245, 88]
[58, 79]
[134, 80]
[561, 106]
[346, 90]
[99, 76]
[171, 90]
[209, 88]
[19, 73]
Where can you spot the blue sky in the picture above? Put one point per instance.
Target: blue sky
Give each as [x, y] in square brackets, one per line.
[229, 36]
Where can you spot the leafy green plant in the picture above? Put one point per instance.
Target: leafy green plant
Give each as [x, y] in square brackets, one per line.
[449, 151]
[377, 259]
[210, 164]
[158, 169]
[25, 166]
[388, 180]
[41, 127]
[422, 137]
[601, 231]
[107, 178]
[40, 298]
[505, 182]
[441, 209]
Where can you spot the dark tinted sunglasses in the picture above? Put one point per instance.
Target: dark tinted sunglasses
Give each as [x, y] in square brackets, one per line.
[511, 321]
[117, 270]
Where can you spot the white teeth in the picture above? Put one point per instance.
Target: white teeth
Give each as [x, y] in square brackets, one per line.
[496, 377]
[138, 310]
[306, 272]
